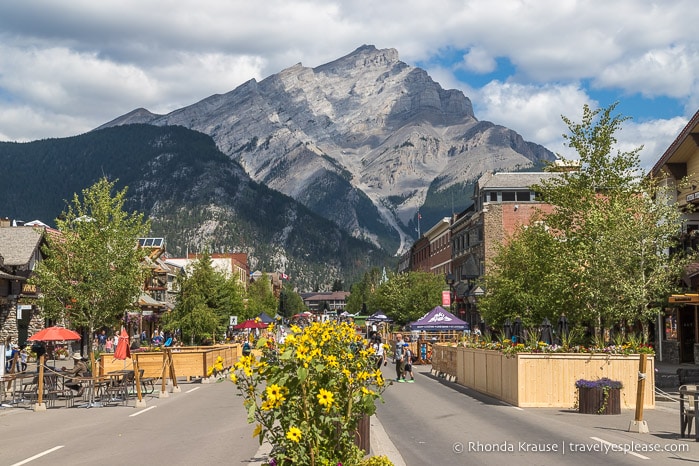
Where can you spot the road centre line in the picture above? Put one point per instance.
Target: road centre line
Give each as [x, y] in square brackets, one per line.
[142, 411]
[597, 439]
[191, 390]
[39, 455]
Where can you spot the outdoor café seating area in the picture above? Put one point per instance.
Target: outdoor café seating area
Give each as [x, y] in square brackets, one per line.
[112, 381]
[23, 390]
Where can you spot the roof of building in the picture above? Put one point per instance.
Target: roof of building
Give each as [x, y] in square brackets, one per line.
[7, 276]
[325, 296]
[17, 244]
[513, 180]
[682, 148]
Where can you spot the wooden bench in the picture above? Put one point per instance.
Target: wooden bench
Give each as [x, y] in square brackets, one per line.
[147, 383]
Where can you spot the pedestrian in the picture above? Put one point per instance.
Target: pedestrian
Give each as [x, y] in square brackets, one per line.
[12, 355]
[379, 353]
[399, 358]
[408, 364]
[23, 355]
[8, 358]
[109, 345]
[101, 341]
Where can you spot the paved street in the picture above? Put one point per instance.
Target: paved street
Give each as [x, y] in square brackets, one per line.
[204, 424]
[437, 422]
[429, 422]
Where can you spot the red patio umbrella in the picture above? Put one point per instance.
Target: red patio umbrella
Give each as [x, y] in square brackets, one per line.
[250, 323]
[55, 334]
[123, 351]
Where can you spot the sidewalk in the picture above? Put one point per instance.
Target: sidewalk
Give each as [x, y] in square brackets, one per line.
[381, 445]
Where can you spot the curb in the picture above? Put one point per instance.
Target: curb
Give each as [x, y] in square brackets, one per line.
[381, 445]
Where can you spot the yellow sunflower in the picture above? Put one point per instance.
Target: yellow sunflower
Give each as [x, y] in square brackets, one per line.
[325, 398]
[294, 434]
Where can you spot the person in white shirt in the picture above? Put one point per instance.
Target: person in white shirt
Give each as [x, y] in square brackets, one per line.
[379, 353]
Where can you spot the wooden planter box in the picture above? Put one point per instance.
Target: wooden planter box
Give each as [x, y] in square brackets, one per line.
[538, 380]
[592, 401]
[190, 362]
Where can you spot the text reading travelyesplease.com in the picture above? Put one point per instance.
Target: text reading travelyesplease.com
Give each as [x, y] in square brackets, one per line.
[563, 448]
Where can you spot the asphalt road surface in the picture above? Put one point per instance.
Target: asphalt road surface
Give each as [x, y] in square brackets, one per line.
[203, 424]
[429, 422]
[436, 422]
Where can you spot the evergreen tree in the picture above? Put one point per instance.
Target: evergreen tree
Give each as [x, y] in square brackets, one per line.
[361, 292]
[290, 302]
[197, 313]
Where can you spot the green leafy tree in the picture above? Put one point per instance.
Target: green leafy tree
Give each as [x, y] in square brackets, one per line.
[92, 272]
[522, 279]
[408, 296]
[606, 260]
[261, 297]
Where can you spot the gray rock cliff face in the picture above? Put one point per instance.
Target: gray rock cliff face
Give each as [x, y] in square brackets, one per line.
[359, 140]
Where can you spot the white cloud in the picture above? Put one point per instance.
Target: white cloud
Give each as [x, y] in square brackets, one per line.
[479, 61]
[534, 111]
[81, 63]
[670, 71]
[655, 136]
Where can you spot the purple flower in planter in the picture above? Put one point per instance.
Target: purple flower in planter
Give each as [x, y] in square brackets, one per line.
[604, 382]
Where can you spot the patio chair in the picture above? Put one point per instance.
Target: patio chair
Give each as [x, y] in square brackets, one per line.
[686, 409]
[117, 390]
[55, 392]
[26, 392]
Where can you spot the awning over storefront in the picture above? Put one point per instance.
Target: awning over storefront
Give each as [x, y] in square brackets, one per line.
[684, 299]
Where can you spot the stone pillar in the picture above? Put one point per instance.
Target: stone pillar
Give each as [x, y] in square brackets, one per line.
[671, 351]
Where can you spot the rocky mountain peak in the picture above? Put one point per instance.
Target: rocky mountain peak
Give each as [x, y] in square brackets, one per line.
[363, 58]
[363, 140]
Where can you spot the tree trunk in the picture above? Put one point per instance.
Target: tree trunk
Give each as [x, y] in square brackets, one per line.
[645, 329]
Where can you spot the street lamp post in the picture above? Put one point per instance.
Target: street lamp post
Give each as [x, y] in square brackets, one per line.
[450, 281]
[475, 294]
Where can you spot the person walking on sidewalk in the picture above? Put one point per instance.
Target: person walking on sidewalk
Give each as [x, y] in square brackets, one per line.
[399, 358]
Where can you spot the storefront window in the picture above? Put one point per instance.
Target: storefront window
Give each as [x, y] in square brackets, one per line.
[671, 324]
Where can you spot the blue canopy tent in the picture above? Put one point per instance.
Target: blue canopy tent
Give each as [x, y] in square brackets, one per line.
[265, 318]
[439, 319]
[379, 316]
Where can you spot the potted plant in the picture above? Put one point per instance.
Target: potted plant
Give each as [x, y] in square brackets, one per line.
[61, 352]
[308, 395]
[601, 396]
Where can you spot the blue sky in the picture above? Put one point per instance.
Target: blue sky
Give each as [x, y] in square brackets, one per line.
[68, 67]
